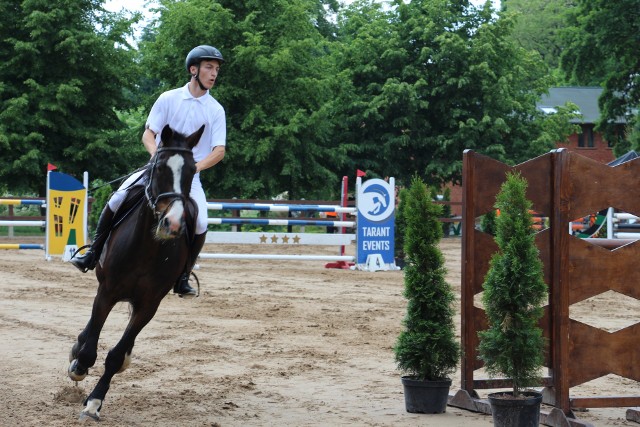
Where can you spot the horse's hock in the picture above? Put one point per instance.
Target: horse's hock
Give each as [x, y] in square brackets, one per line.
[562, 186]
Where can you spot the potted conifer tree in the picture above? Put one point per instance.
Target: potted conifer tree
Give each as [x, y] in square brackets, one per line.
[426, 350]
[514, 292]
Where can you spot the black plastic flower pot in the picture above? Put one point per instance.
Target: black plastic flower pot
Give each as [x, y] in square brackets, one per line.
[425, 397]
[509, 412]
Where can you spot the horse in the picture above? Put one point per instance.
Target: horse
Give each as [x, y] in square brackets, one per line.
[145, 254]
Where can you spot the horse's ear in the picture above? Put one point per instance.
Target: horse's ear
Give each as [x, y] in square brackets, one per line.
[166, 136]
[193, 139]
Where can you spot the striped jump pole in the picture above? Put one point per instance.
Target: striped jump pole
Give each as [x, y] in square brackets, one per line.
[285, 239]
[65, 219]
[259, 221]
[21, 246]
[279, 207]
[21, 222]
[15, 202]
[375, 206]
[622, 225]
[278, 257]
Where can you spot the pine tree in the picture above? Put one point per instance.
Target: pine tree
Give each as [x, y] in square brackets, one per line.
[426, 349]
[514, 291]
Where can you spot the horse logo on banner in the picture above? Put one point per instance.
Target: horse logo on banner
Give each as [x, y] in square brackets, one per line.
[376, 223]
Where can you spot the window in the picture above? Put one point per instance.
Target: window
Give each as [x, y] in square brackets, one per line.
[585, 139]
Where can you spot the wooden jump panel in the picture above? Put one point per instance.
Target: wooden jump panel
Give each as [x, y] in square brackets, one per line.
[562, 186]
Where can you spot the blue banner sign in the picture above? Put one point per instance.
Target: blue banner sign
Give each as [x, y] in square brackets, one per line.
[376, 220]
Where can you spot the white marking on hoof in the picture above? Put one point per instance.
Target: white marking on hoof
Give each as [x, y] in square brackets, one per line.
[72, 371]
[91, 410]
[125, 363]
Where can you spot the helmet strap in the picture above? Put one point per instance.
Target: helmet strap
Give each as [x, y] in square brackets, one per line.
[197, 76]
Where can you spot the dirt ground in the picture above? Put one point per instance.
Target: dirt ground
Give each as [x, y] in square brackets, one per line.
[268, 343]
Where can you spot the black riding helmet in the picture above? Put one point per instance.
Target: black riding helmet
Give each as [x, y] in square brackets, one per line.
[200, 53]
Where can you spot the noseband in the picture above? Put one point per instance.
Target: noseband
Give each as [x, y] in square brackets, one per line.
[153, 200]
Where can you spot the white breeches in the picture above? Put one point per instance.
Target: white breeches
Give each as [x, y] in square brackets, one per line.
[197, 194]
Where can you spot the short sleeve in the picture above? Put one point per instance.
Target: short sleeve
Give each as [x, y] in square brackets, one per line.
[157, 118]
[219, 129]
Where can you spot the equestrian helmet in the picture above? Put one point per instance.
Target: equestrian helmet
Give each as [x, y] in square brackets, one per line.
[202, 52]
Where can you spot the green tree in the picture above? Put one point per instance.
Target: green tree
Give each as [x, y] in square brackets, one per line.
[514, 291]
[101, 196]
[602, 48]
[488, 223]
[276, 86]
[538, 26]
[432, 78]
[65, 66]
[426, 349]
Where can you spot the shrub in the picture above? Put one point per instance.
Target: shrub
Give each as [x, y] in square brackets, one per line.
[514, 291]
[426, 349]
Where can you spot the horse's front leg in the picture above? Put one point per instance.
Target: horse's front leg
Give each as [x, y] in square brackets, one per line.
[85, 351]
[118, 358]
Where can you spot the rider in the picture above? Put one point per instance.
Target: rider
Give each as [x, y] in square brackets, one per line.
[184, 109]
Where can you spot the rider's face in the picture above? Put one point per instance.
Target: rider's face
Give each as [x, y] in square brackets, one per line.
[208, 72]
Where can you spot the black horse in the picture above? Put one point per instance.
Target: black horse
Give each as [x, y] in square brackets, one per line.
[146, 253]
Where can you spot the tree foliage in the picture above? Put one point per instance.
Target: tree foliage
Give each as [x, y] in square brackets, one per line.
[514, 291]
[66, 65]
[538, 26]
[312, 92]
[432, 78]
[275, 85]
[426, 348]
[101, 196]
[602, 48]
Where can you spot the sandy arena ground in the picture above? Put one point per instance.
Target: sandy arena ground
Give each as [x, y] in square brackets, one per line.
[268, 343]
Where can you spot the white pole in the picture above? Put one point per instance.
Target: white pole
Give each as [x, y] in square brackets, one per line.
[46, 222]
[277, 257]
[85, 217]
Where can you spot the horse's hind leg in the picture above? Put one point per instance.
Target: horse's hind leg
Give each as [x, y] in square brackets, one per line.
[116, 360]
[85, 351]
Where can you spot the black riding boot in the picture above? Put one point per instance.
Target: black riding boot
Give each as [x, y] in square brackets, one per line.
[90, 258]
[182, 287]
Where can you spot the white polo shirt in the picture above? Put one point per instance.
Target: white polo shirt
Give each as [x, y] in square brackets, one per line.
[185, 114]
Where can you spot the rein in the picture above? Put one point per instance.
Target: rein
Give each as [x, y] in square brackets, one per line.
[153, 201]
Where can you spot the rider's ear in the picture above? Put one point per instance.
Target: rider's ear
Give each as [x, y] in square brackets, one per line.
[193, 139]
[167, 135]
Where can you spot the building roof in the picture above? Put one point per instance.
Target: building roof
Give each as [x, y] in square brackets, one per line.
[586, 98]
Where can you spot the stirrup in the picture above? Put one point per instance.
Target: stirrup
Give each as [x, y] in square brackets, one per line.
[182, 287]
[78, 250]
[81, 262]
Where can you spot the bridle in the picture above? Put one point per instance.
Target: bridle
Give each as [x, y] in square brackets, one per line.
[153, 200]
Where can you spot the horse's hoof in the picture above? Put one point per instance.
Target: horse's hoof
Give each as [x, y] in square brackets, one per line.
[91, 410]
[73, 372]
[84, 417]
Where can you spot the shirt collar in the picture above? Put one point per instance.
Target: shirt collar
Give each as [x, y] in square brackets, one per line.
[186, 94]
